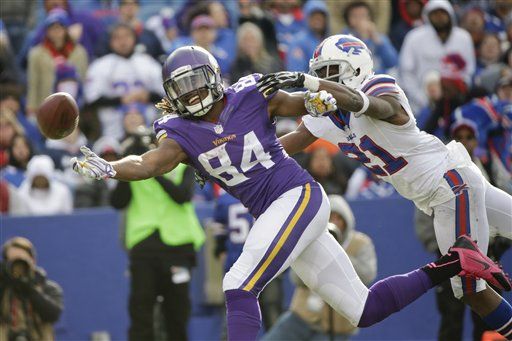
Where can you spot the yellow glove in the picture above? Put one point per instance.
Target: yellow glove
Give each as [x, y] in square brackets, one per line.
[319, 103]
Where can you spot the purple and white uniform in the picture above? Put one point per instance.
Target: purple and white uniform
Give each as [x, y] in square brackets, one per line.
[241, 151]
[243, 155]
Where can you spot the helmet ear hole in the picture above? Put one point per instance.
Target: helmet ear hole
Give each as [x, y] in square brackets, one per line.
[358, 72]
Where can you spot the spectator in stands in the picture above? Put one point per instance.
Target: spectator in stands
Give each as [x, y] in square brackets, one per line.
[489, 116]
[321, 166]
[433, 89]
[504, 88]
[61, 151]
[305, 42]
[410, 17]
[310, 318]
[41, 192]
[10, 100]
[128, 14]
[120, 78]
[488, 53]
[19, 19]
[9, 128]
[360, 23]
[162, 236]
[203, 31]
[380, 9]
[454, 94]
[83, 29]
[288, 21]
[285, 126]
[473, 21]
[19, 153]
[425, 47]
[69, 81]
[165, 27]
[56, 48]
[499, 15]
[96, 193]
[250, 10]
[8, 67]
[134, 118]
[30, 303]
[252, 57]
[226, 36]
[489, 77]
[508, 35]
[466, 132]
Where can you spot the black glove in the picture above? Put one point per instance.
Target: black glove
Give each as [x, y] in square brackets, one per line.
[272, 82]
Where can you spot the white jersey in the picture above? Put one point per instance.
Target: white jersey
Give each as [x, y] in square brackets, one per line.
[413, 161]
[114, 76]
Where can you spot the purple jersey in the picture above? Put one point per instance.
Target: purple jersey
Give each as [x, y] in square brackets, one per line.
[241, 151]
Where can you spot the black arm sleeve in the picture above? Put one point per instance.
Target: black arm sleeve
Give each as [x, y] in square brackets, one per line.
[47, 301]
[121, 195]
[183, 192]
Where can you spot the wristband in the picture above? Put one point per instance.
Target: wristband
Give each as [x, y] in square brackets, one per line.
[311, 83]
[366, 104]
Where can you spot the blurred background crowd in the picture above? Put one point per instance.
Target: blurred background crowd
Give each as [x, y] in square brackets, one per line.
[453, 59]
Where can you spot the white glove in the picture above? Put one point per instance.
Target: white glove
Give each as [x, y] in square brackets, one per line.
[92, 166]
[319, 103]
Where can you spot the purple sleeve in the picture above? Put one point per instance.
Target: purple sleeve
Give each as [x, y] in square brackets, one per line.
[246, 86]
[162, 126]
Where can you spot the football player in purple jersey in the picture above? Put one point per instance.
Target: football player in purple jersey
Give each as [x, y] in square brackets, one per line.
[228, 135]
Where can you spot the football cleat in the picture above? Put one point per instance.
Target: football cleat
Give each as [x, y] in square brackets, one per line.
[475, 264]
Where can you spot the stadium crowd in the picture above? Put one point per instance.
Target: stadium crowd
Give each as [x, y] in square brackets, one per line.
[453, 59]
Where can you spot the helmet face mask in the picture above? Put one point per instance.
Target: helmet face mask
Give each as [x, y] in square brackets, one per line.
[344, 59]
[192, 81]
[336, 71]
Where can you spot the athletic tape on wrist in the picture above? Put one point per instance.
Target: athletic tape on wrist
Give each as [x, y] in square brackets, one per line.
[366, 104]
[311, 83]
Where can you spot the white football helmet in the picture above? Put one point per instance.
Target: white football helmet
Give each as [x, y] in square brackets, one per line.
[344, 59]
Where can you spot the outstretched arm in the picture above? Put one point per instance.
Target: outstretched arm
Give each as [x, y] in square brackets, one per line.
[384, 108]
[297, 140]
[153, 163]
[287, 104]
[133, 167]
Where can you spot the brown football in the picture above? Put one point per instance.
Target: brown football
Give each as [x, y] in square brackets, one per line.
[57, 117]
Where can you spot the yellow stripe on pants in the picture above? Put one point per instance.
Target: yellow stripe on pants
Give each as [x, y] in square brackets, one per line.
[281, 240]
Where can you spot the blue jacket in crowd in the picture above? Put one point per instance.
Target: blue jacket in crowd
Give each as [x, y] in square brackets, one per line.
[303, 45]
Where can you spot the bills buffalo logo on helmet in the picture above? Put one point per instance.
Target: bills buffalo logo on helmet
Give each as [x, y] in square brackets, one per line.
[349, 45]
[318, 50]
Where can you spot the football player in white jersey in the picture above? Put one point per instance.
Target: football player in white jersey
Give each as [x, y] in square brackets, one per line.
[368, 116]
